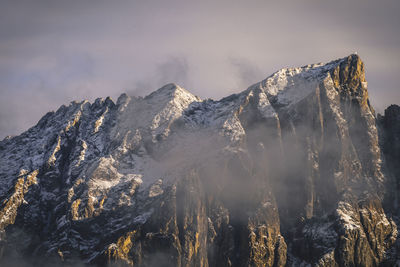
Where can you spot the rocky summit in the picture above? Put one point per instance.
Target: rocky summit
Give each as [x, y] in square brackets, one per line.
[296, 170]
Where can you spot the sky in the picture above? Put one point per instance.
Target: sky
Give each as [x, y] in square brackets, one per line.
[53, 52]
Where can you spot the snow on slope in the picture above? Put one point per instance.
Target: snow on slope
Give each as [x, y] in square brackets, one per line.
[95, 157]
[119, 138]
[136, 118]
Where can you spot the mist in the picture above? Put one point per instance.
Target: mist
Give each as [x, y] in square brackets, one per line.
[217, 177]
[282, 173]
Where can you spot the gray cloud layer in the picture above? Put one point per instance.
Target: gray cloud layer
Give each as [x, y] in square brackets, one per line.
[53, 52]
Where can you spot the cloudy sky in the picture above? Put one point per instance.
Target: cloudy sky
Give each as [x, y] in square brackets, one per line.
[53, 52]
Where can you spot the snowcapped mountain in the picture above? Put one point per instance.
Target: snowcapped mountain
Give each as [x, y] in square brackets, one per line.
[291, 171]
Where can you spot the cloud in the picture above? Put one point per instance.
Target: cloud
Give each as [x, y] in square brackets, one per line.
[246, 72]
[55, 52]
[174, 70]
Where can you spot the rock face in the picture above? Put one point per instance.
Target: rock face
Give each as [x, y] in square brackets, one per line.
[390, 124]
[293, 171]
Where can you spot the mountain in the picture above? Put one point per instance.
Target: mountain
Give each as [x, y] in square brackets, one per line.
[297, 170]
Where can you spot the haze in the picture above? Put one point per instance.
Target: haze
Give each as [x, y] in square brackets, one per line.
[54, 52]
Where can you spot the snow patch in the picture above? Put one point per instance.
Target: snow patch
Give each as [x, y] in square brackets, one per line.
[52, 158]
[99, 121]
[155, 189]
[347, 216]
[82, 153]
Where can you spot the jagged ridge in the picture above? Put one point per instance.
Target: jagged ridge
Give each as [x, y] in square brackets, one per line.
[287, 172]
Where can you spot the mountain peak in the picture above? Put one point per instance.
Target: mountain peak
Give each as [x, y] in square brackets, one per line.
[349, 70]
[172, 93]
[171, 90]
[290, 85]
[169, 172]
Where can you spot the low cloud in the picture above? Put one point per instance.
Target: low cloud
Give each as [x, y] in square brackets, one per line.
[174, 70]
[247, 72]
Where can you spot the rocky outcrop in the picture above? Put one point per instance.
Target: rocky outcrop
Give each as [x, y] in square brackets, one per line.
[288, 172]
[389, 125]
[390, 139]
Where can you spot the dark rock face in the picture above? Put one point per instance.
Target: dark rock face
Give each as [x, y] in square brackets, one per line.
[390, 141]
[289, 172]
[390, 125]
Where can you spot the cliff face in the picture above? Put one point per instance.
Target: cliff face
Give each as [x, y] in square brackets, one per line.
[390, 142]
[288, 172]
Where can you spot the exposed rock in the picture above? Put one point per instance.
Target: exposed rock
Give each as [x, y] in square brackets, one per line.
[288, 172]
